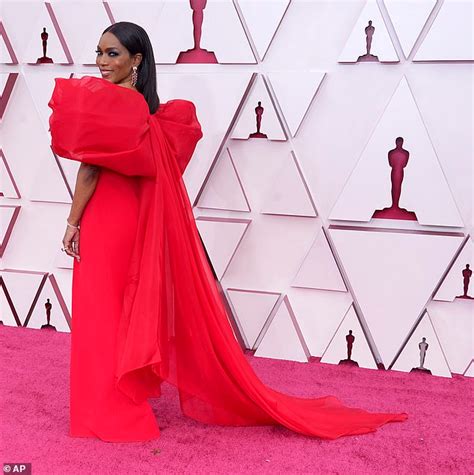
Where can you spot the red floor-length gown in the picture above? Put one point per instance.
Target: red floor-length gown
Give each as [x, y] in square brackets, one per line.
[145, 306]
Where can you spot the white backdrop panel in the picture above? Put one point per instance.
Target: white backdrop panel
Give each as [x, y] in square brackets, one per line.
[22, 287]
[8, 186]
[381, 47]
[319, 269]
[38, 316]
[424, 187]
[82, 24]
[470, 370]
[221, 239]
[447, 114]
[247, 121]
[269, 254]
[435, 361]
[452, 285]
[257, 162]
[252, 310]
[25, 34]
[295, 106]
[318, 314]
[224, 189]
[337, 349]
[281, 340]
[453, 324]
[393, 275]
[450, 36]
[288, 193]
[263, 18]
[408, 18]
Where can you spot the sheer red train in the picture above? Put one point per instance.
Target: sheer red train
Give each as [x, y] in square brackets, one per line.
[145, 305]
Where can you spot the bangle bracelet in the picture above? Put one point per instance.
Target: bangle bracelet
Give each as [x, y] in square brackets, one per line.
[72, 226]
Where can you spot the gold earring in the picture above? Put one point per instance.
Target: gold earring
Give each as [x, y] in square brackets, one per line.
[134, 76]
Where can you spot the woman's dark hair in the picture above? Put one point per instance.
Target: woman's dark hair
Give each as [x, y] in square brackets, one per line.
[136, 40]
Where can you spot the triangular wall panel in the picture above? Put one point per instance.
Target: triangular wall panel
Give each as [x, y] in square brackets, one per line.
[224, 189]
[409, 18]
[453, 323]
[61, 281]
[22, 287]
[8, 313]
[57, 49]
[319, 269]
[318, 314]
[453, 284]
[270, 254]
[424, 188]
[382, 46]
[8, 186]
[288, 193]
[338, 347]
[470, 370]
[77, 17]
[224, 34]
[252, 309]
[393, 276]
[170, 26]
[221, 236]
[7, 53]
[295, 106]
[8, 81]
[49, 182]
[247, 122]
[40, 84]
[450, 35]
[282, 339]
[434, 360]
[49, 295]
[263, 18]
[8, 217]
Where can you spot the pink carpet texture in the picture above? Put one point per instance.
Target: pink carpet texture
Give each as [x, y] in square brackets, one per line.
[436, 439]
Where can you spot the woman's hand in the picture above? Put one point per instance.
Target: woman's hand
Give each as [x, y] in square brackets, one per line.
[71, 242]
[86, 181]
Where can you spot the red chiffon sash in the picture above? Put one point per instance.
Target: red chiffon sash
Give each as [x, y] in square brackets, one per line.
[174, 326]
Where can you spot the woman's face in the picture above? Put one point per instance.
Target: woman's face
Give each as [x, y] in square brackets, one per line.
[114, 60]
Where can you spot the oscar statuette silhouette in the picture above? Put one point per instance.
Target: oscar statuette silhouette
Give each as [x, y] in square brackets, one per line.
[44, 38]
[350, 338]
[47, 326]
[197, 54]
[466, 278]
[423, 347]
[258, 113]
[398, 160]
[368, 57]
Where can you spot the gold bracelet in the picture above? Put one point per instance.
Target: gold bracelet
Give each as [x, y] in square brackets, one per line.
[72, 226]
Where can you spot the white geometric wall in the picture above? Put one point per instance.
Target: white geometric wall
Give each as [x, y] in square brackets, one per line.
[287, 220]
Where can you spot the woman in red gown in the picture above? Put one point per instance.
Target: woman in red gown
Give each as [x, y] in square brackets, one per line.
[145, 306]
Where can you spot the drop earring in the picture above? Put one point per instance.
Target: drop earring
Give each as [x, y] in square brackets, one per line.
[134, 76]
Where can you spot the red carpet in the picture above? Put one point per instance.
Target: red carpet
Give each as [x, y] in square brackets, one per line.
[437, 438]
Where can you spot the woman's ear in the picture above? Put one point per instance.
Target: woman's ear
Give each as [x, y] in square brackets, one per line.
[137, 59]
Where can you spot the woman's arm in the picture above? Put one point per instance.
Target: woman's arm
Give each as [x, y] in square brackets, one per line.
[86, 182]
